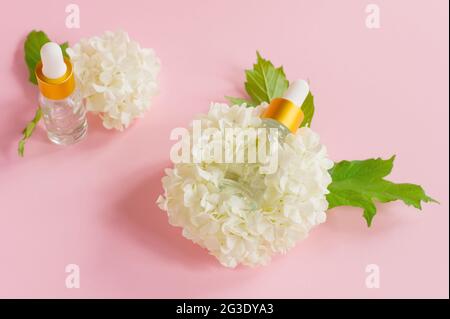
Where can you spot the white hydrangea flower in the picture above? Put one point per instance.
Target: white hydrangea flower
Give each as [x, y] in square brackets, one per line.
[116, 76]
[289, 202]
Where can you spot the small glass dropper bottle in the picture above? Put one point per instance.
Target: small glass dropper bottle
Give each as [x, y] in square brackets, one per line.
[63, 107]
[285, 115]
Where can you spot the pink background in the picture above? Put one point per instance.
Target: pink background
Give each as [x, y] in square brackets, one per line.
[378, 92]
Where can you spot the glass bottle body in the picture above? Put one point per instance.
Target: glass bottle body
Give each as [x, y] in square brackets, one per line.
[232, 185]
[65, 120]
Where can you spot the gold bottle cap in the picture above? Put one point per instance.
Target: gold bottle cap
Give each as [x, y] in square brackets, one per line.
[287, 109]
[56, 89]
[285, 112]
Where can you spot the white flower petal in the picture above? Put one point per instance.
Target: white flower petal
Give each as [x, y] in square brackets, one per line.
[116, 76]
[269, 215]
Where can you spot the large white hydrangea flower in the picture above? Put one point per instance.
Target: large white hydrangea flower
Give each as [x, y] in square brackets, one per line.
[116, 76]
[258, 214]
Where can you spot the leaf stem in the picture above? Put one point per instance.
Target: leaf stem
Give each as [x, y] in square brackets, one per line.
[28, 131]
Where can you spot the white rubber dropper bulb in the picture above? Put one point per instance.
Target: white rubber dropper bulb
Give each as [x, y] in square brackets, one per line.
[297, 92]
[53, 65]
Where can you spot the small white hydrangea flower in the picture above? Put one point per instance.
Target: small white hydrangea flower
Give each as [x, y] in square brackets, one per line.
[116, 76]
[290, 202]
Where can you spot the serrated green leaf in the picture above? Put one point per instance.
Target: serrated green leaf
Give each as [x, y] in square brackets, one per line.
[362, 183]
[239, 101]
[346, 197]
[32, 47]
[308, 110]
[374, 168]
[264, 81]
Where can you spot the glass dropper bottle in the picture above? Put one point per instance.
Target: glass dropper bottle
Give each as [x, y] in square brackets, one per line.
[285, 115]
[62, 105]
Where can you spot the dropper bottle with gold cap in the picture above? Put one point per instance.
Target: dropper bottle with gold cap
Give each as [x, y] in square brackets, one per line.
[284, 113]
[62, 106]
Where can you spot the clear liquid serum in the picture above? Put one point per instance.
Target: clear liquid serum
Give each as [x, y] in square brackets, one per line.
[63, 108]
[284, 114]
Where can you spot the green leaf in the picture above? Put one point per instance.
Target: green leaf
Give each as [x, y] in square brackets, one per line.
[265, 82]
[64, 47]
[35, 40]
[362, 183]
[32, 47]
[308, 110]
[239, 101]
